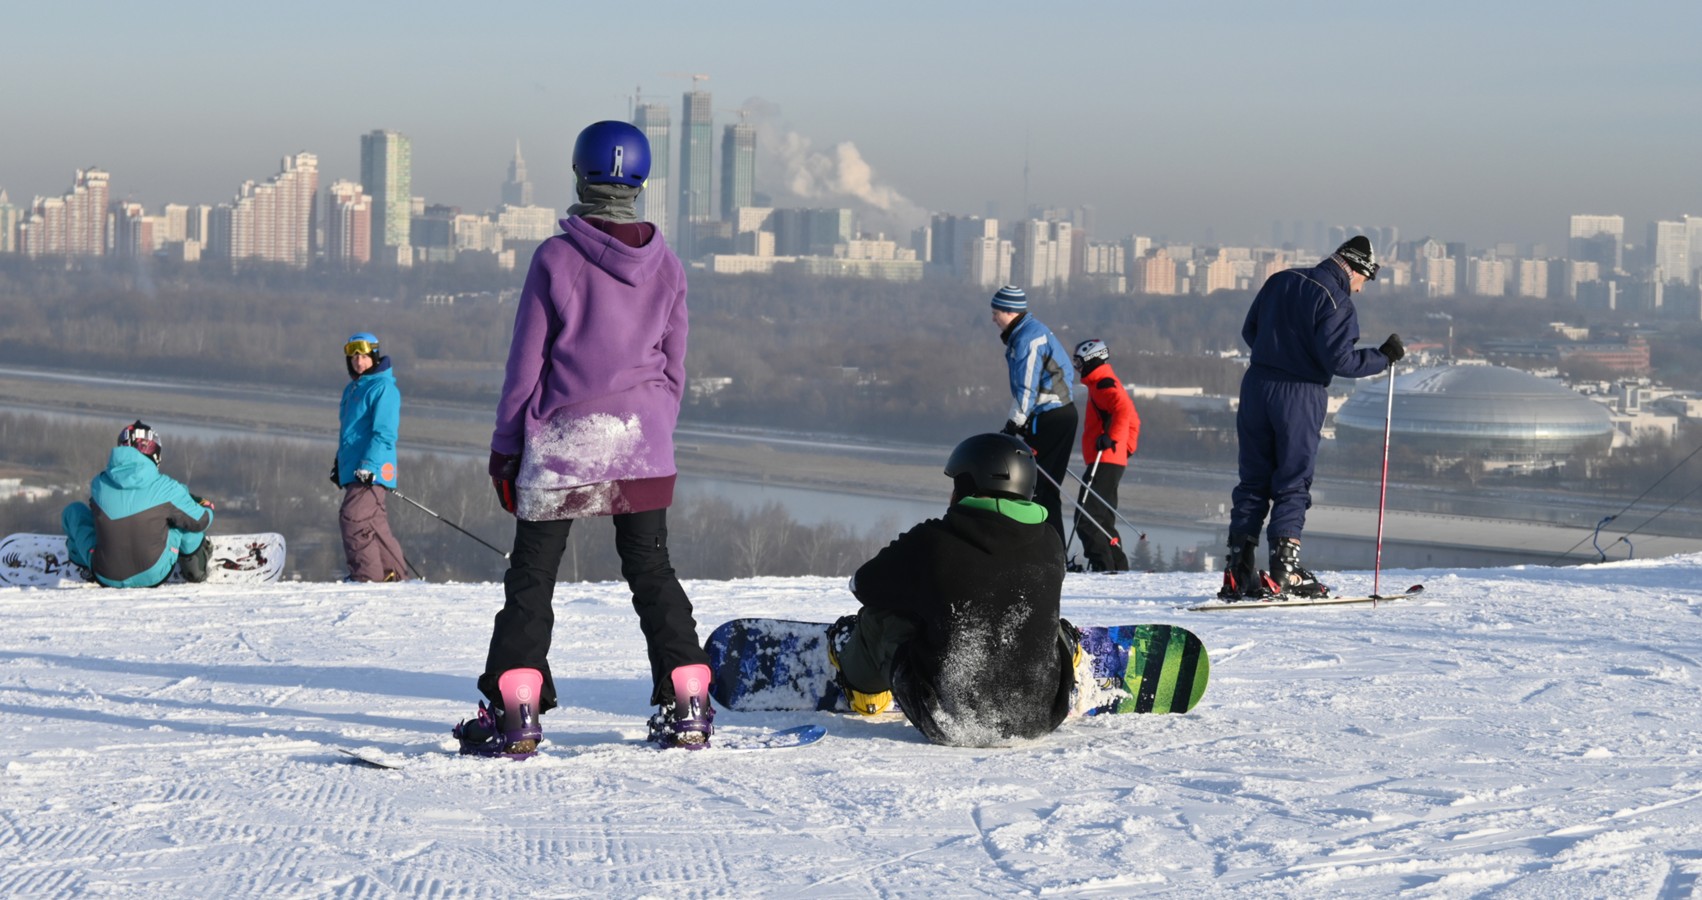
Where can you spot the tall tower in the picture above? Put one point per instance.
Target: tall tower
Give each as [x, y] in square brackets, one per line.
[386, 172]
[738, 169]
[517, 191]
[697, 150]
[653, 120]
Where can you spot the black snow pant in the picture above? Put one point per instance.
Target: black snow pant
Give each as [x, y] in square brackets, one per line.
[1100, 543]
[1053, 439]
[521, 639]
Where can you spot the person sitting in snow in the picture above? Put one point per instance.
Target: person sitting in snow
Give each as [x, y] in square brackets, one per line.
[138, 523]
[959, 620]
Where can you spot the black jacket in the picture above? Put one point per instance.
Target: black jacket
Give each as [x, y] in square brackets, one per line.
[988, 666]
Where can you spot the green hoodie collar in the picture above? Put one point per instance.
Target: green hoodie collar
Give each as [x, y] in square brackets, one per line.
[1025, 511]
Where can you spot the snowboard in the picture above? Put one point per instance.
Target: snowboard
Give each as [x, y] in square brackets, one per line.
[721, 742]
[780, 664]
[1283, 602]
[41, 560]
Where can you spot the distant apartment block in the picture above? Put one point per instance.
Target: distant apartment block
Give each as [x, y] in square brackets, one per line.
[1042, 254]
[1669, 248]
[71, 225]
[653, 203]
[386, 172]
[270, 222]
[525, 226]
[132, 231]
[10, 218]
[738, 169]
[1533, 278]
[697, 151]
[1487, 277]
[348, 225]
[1598, 239]
[1155, 273]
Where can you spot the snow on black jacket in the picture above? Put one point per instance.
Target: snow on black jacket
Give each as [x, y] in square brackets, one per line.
[987, 667]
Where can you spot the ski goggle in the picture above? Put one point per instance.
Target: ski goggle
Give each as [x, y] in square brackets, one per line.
[142, 439]
[360, 348]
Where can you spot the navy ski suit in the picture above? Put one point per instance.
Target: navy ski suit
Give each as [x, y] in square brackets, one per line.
[1302, 328]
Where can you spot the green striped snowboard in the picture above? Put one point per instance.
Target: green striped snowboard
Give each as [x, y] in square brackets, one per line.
[1139, 669]
[778, 664]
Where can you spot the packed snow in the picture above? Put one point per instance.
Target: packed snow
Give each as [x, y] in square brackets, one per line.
[1518, 732]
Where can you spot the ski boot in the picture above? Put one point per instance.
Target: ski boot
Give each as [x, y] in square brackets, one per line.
[1287, 578]
[1240, 578]
[687, 720]
[491, 733]
[863, 704]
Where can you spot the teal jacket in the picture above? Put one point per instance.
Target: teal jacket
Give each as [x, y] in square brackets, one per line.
[136, 508]
[371, 417]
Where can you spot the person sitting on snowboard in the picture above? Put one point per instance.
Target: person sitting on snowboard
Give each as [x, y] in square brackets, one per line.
[138, 523]
[959, 620]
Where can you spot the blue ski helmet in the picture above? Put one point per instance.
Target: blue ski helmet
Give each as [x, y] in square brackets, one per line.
[612, 153]
[361, 342]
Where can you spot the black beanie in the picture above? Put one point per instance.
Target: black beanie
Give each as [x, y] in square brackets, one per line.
[1357, 253]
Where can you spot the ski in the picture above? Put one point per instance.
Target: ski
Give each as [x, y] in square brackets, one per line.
[1283, 602]
[785, 739]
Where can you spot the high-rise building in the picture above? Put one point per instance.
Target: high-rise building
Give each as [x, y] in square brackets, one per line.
[348, 225]
[132, 231]
[1155, 273]
[1598, 239]
[271, 222]
[952, 241]
[1669, 248]
[72, 225]
[697, 151]
[10, 217]
[386, 172]
[517, 190]
[1042, 254]
[1533, 278]
[653, 201]
[738, 169]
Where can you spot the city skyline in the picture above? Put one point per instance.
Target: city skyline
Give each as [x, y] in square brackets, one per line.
[1472, 123]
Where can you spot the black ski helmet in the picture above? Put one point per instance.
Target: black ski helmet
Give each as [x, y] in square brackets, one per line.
[993, 465]
[145, 441]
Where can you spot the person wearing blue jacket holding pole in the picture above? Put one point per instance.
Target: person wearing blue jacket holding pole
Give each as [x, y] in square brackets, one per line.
[138, 523]
[1301, 328]
[1043, 410]
[370, 415]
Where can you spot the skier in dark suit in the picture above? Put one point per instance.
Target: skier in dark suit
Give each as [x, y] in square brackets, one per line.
[1302, 328]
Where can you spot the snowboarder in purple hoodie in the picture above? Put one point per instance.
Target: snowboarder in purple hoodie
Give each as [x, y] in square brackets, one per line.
[585, 427]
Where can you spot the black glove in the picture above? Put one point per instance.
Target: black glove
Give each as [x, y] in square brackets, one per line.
[504, 468]
[1393, 348]
[335, 478]
[1011, 428]
[200, 501]
[1105, 443]
[363, 476]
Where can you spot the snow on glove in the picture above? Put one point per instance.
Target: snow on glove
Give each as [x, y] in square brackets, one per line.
[504, 467]
[1393, 348]
[363, 476]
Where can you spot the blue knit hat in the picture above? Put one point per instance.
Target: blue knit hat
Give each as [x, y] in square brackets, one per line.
[1010, 298]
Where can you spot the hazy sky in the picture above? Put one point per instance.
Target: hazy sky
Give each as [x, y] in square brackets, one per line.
[1477, 121]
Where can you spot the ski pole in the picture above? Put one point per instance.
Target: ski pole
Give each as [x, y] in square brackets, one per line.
[1095, 495]
[1080, 496]
[1048, 476]
[1383, 494]
[449, 523]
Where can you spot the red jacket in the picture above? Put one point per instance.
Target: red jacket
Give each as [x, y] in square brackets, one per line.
[1110, 411]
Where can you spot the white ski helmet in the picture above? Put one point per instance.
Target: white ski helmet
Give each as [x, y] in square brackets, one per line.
[1090, 350]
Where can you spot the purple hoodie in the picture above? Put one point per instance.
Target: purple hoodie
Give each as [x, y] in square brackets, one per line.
[595, 374]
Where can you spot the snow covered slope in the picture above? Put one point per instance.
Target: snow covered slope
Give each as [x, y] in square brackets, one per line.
[1526, 732]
